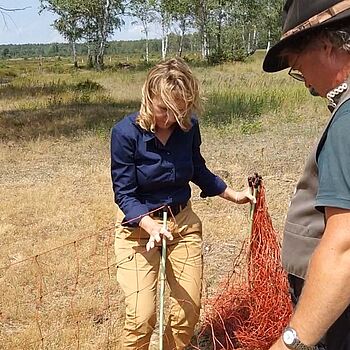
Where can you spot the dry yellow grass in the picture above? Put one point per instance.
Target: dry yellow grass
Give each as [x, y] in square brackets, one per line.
[55, 192]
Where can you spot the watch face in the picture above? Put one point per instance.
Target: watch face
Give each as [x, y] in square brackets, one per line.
[289, 336]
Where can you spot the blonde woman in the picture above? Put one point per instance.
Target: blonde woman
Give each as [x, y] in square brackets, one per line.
[155, 155]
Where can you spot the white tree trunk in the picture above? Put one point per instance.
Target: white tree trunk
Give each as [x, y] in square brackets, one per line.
[205, 46]
[183, 31]
[165, 37]
[269, 41]
[248, 44]
[165, 46]
[74, 49]
[147, 46]
[255, 39]
[102, 44]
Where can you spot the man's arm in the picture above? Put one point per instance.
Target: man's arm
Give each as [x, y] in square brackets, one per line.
[326, 292]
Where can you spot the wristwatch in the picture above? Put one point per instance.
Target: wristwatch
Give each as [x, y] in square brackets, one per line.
[291, 340]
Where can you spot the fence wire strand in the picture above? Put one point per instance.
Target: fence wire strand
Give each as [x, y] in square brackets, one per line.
[218, 309]
[41, 291]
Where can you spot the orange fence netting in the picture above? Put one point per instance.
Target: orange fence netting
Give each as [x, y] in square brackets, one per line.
[253, 304]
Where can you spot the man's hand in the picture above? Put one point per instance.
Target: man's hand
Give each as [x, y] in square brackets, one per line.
[279, 345]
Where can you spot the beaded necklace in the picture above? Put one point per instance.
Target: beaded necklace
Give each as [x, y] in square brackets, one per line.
[334, 95]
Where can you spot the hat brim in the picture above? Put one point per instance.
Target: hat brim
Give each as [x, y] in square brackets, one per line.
[275, 62]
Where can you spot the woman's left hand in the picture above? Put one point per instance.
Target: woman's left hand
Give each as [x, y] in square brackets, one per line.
[244, 197]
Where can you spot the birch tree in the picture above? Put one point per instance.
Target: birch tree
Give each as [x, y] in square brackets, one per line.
[68, 22]
[93, 20]
[165, 22]
[272, 21]
[182, 13]
[202, 16]
[145, 12]
[100, 19]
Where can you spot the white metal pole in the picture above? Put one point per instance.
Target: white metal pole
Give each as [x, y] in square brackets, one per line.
[162, 281]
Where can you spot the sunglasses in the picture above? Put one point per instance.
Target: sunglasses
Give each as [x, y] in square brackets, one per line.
[294, 73]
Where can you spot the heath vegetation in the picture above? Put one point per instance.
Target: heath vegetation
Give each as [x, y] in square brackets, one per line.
[57, 275]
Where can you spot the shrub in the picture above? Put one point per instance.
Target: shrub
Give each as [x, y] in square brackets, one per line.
[88, 85]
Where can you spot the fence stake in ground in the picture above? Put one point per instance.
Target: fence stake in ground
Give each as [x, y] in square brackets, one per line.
[162, 280]
[254, 184]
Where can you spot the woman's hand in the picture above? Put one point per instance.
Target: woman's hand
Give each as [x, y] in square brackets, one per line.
[240, 197]
[155, 231]
[244, 197]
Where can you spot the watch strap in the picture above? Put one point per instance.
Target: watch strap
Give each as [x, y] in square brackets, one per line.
[300, 346]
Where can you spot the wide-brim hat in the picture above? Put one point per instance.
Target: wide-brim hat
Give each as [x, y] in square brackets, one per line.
[301, 17]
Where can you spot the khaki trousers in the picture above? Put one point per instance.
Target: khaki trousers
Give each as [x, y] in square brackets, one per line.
[138, 272]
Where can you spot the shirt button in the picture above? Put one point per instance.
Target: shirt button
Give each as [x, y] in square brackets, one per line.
[171, 171]
[168, 153]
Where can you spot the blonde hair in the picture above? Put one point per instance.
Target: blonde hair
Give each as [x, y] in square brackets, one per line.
[171, 81]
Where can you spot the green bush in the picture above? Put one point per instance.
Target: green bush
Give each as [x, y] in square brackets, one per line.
[88, 85]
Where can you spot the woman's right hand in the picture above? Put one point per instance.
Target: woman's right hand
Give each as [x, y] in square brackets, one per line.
[155, 231]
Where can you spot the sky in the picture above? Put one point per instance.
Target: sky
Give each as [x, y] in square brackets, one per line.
[27, 26]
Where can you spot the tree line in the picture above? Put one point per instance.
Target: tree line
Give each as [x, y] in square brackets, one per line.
[123, 50]
[223, 29]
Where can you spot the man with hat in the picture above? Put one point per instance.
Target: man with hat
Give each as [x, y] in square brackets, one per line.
[315, 46]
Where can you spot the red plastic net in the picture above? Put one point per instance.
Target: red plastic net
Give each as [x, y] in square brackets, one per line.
[253, 305]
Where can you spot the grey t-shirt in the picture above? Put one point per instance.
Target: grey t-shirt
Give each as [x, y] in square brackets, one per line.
[334, 163]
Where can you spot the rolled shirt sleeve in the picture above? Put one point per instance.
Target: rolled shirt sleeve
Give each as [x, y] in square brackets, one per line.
[334, 164]
[123, 170]
[210, 184]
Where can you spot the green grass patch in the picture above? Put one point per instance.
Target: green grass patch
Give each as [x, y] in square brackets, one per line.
[227, 107]
[46, 97]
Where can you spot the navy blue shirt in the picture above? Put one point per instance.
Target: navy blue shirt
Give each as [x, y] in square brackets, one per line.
[146, 174]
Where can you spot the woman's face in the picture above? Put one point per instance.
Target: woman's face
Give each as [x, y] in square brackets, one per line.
[164, 117]
[318, 65]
